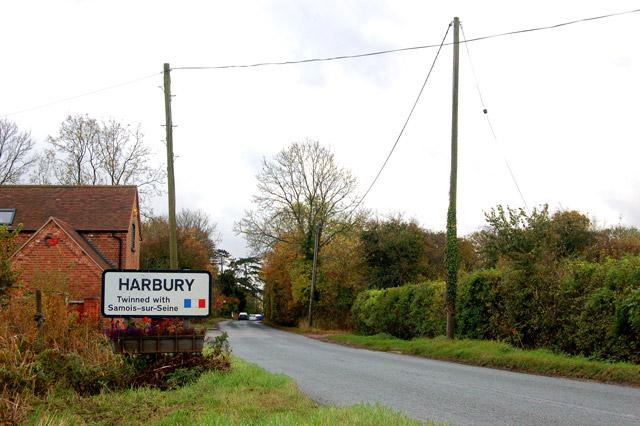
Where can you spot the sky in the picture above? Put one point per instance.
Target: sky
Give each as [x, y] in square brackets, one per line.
[563, 103]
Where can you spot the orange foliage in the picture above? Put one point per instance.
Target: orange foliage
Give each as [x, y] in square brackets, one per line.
[279, 303]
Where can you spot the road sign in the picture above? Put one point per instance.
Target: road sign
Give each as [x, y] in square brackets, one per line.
[151, 294]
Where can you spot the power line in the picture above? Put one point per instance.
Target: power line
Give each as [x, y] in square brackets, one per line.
[82, 95]
[332, 58]
[551, 27]
[305, 61]
[408, 118]
[404, 49]
[486, 114]
[347, 226]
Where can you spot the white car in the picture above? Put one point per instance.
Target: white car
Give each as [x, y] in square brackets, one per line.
[253, 317]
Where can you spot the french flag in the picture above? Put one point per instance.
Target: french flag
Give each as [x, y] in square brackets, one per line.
[195, 303]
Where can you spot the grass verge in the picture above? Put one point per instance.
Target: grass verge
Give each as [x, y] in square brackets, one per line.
[302, 328]
[500, 355]
[247, 395]
[208, 323]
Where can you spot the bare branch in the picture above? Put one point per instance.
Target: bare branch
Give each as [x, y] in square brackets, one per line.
[301, 189]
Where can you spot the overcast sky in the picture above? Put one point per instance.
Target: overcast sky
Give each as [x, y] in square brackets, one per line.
[564, 103]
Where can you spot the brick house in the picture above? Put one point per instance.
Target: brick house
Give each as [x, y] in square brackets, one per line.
[77, 231]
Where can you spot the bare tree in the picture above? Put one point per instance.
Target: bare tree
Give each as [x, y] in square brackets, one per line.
[15, 150]
[76, 149]
[301, 192]
[88, 152]
[45, 166]
[124, 157]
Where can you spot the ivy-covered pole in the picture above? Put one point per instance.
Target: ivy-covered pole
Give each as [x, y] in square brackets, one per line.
[451, 248]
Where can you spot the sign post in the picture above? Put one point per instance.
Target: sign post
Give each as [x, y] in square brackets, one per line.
[156, 294]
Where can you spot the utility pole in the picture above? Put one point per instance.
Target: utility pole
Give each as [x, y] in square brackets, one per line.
[451, 248]
[173, 242]
[313, 274]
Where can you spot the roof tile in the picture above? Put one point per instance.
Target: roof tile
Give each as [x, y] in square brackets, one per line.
[85, 208]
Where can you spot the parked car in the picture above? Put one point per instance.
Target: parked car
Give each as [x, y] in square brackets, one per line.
[243, 316]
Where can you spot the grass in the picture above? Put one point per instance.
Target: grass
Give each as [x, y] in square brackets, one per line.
[302, 328]
[208, 323]
[500, 355]
[247, 396]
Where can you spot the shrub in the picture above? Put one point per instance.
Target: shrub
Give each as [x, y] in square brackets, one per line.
[414, 310]
[479, 305]
[578, 307]
[604, 310]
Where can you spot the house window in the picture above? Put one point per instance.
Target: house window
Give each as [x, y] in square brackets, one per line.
[6, 216]
[133, 237]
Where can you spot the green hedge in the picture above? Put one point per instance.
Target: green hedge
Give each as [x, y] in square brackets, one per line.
[579, 308]
[414, 310]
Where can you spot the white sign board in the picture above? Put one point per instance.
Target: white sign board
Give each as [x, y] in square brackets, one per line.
[156, 293]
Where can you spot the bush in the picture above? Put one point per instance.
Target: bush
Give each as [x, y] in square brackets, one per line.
[603, 310]
[479, 305]
[414, 310]
[578, 308]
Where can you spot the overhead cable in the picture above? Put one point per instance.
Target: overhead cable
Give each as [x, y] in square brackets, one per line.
[408, 118]
[332, 58]
[82, 95]
[486, 114]
[404, 49]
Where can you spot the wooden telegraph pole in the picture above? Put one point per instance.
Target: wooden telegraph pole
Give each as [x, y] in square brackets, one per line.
[313, 273]
[173, 243]
[451, 248]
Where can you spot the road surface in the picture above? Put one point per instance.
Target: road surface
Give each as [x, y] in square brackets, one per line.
[428, 389]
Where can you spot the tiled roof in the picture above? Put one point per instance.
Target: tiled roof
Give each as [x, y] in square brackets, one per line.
[85, 208]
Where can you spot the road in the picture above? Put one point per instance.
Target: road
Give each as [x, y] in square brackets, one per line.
[428, 389]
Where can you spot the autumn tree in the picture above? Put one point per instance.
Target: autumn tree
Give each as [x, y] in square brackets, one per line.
[16, 158]
[202, 226]
[614, 242]
[91, 152]
[341, 279]
[280, 305]
[193, 252]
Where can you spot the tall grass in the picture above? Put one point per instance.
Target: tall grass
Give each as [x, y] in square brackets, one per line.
[247, 395]
[70, 352]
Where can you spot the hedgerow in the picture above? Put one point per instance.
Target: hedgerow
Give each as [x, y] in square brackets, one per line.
[579, 308]
[414, 310]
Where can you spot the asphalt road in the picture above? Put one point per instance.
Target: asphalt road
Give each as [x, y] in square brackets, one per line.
[428, 389]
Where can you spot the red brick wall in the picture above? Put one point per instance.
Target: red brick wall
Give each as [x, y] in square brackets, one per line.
[89, 309]
[108, 245]
[65, 259]
[22, 238]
